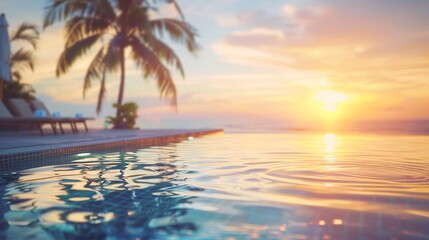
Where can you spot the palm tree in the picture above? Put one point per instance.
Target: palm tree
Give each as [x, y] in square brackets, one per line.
[25, 37]
[116, 26]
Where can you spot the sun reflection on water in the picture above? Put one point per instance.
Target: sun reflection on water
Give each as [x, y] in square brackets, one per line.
[330, 142]
[296, 187]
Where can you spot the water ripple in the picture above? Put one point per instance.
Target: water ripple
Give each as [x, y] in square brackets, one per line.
[235, 186]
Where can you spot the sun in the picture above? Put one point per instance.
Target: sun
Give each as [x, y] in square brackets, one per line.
[331, 99]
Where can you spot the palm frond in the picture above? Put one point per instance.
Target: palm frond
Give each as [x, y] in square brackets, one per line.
[130, 15]
[112, 57]
[27, 33]
[138, 18]
[178, 31]
[97, 70]
[22, 59]
[124, 5]
[102, 91]
[17, 89]
[73, 52]
[60, 10]
[154, 68]
[103, 9]
[94, 70]
[165, 53]
[177, 7]
[79, 27]
[16, 75]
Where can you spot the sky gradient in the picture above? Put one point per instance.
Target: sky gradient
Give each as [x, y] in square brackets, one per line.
[303, 63]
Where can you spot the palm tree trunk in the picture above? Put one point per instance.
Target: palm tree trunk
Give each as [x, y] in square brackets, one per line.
[119, 124]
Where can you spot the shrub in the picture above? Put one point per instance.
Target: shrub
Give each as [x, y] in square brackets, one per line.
[127, 116]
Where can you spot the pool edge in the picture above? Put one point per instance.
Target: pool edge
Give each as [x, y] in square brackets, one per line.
[106, 144]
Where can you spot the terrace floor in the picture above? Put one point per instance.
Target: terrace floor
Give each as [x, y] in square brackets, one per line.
[14, 143]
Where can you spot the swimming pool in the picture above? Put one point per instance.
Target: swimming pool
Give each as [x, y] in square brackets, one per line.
[232, 186]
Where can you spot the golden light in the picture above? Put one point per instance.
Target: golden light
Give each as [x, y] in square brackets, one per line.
[331, 99]
[329, 142]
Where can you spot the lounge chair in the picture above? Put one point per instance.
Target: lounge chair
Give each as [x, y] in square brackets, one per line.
[7, 119]
[20, 108]
[39, 105]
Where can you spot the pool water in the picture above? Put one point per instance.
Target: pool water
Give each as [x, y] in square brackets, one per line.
[232, 186]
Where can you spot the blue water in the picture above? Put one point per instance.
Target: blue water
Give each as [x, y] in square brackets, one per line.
[232, 186]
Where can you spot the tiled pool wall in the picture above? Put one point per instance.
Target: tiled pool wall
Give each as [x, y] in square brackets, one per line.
[66, 151]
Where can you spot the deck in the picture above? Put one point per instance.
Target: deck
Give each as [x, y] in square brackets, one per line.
[25, 145]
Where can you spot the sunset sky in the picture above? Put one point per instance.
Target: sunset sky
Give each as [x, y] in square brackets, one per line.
[302, 63]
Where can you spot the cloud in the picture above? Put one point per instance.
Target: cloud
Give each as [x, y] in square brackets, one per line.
[258, 18]
[359, 41]
[375, 51]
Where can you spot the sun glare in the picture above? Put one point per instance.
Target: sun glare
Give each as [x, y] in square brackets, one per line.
[329, 142]
[331, 99]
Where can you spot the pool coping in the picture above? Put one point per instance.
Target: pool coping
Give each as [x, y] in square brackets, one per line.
[97, 145]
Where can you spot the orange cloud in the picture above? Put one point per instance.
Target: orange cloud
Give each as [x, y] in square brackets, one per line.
[377, 50]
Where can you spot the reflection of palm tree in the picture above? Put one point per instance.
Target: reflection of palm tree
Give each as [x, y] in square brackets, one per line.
[22, 59]
[132, 205]
[6, 200]
[124, 24]
[4, 207]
